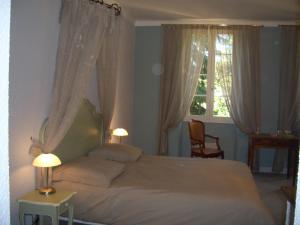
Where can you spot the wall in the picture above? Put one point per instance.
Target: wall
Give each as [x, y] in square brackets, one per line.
[146, 100]
[4, 108]
[34, 35]
[146, 88]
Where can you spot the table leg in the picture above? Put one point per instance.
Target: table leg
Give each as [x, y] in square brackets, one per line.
[71, 214]
[21, 216]
[295, 170]
[288, 162]
[251, 156]
[55, 220]
[249, 153]
[41, 220]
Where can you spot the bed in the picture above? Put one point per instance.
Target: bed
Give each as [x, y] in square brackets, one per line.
[158, 190]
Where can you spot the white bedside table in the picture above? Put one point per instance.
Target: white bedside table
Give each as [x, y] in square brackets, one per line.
[52, 205]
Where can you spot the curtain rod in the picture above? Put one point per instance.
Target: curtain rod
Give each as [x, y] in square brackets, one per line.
[229, 22]
[113, 6]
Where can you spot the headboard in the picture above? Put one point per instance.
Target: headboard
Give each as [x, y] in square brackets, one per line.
[84, 135]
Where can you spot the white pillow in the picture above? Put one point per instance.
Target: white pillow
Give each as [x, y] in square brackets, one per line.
[117, 152]
[90, 171]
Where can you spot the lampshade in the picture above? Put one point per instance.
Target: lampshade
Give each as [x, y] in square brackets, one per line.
[120, 132]
[46, 160]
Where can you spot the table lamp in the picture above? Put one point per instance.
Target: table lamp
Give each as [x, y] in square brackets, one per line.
[120, 132]
[46, 162]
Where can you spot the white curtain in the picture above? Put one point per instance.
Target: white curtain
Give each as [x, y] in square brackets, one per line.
[240, 77]
[289, 89]
[82, 32]
[183, 50]
[107, 65]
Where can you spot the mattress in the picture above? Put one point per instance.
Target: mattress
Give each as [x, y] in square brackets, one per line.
[158, 190]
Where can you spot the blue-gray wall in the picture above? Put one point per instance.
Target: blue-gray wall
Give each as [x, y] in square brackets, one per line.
[146, 100]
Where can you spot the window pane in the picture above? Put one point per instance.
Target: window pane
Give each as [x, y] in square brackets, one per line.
[220, 108]
[223, 73]
[224, 43]
[202, 85]
[205, 62]
[198, 106]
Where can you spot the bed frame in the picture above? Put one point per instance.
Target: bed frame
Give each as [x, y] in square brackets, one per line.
[84, 135]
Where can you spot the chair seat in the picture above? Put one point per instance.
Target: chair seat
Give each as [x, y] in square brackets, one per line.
[206, 151]
[211, 145]
[207, 145]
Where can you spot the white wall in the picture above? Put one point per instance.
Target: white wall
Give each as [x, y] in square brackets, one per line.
[4, 82]
[34, 35]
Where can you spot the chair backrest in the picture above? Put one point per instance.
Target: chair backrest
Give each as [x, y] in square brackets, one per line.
[197, 132]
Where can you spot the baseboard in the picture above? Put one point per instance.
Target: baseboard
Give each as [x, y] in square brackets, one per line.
[265, 169]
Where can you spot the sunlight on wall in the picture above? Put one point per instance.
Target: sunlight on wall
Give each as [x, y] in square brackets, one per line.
[4, 84]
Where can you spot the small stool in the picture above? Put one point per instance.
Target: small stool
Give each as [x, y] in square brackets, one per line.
[52, 205]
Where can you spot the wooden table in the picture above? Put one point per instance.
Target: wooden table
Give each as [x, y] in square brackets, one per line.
[282, 142]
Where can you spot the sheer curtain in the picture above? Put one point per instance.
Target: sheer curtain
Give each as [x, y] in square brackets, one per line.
[107, 65]
[240, 77]
[289, 90]
[183, 52]
[82, 32]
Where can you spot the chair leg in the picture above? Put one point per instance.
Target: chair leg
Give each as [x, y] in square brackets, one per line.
[222, 155]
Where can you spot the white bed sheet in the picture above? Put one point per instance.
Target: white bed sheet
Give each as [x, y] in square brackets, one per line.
[174, 191]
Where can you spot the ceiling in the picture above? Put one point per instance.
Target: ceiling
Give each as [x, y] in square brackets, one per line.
[151, 10]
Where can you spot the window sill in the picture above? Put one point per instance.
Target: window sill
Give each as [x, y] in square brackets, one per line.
[224, 120]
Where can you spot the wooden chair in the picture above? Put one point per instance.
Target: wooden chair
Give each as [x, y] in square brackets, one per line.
[198, 146]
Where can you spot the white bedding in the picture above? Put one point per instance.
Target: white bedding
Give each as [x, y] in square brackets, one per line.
[174, 191]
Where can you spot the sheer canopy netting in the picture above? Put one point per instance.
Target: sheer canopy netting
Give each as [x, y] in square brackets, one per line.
[85, 28]
[183, 53]
[289, 88]
[107, 65]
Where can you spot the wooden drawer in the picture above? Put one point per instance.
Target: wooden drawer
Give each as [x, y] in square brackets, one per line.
[274, 142]
[263, 142]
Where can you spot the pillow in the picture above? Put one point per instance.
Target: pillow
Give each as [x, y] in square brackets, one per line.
[117, 152]
[90, 171]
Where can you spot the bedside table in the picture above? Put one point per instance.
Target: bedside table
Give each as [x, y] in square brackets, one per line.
[290, 193]
[52, 205]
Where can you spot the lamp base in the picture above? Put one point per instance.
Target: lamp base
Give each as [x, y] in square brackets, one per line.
[47, 190]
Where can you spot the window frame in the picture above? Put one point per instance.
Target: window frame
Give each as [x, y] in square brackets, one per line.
[208, 117]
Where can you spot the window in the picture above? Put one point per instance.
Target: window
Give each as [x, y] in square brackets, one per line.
[209, 100]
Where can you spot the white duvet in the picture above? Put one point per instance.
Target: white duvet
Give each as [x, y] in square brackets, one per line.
[174, 191]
